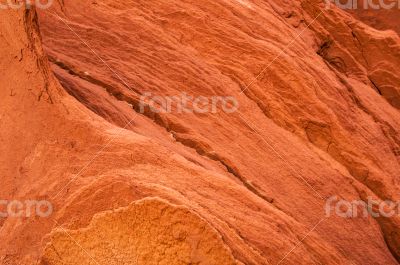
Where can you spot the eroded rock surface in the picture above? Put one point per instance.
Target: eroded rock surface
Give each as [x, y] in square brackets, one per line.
[150, 231]
[318, 116]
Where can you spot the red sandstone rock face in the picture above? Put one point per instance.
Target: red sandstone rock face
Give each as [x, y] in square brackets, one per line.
[382, 15]
[318, 116]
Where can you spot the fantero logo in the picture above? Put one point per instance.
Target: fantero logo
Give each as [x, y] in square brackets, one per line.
[363, 4]
[27, 4]
[25, 209]
[185, 103]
